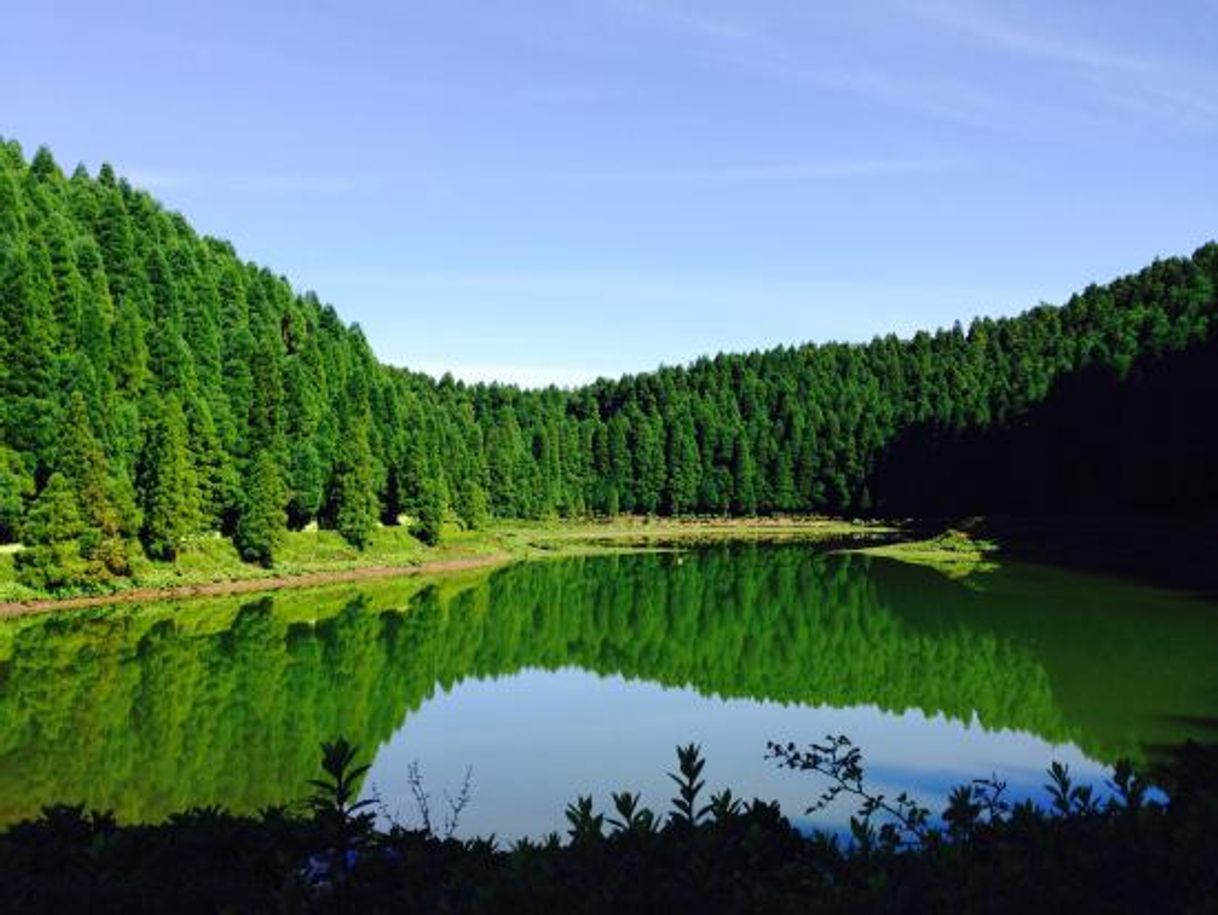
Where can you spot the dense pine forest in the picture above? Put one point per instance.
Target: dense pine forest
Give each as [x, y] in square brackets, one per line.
[155, 387]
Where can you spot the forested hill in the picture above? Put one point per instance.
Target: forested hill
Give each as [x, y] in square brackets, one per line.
[155, 386]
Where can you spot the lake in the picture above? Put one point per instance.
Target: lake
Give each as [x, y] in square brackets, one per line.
[562, 677]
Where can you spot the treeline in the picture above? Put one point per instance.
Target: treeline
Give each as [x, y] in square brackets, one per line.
[154, 386]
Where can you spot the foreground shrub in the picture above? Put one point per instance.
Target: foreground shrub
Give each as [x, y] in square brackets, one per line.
[1127, 853]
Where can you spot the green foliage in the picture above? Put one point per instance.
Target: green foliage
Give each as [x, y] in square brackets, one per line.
[586, 826]
[52, 557]
[906, 821]
[431, 513]
[114, 308]
[633, 819]
[52, 566]
[352, 501]
[689, 782]
[55, 516]
[263, 517]
[345, 820]
[168, 483]
[473, 506]
[16, 489]
[84, 462]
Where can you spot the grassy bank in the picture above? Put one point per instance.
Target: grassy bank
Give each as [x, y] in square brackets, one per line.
[957, 554]
[210, 564]
[1155, 551]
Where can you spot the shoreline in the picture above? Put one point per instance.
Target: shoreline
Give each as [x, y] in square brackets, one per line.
[502, 544]
[1154, 551]
[279, 582]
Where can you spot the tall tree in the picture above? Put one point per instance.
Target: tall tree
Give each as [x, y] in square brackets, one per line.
[16, 490]
[351, 500]
[172, 505]
[263, 518]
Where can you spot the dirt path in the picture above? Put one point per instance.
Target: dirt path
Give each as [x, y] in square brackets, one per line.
[303, 580]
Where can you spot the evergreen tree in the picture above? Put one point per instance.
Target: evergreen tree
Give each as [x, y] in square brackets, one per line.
[130, 347]
[683, 466]
[213, 467]
[351, 501]
[16, 489]
[55, 516]
[51, 559]
[263, 518]
[474, 507]
[744, 478]
[168, 483]
[84, 463]
[431, 513]
[26, 347]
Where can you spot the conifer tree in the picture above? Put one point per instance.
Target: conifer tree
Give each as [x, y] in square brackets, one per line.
[130, 347]
[96, 310]
[351, 500]
[305, 472]
[744, 478]
[26, 347]
[431, 512]
[263, 518]
[683, 465]
[83, 461]
[213, 466]
[506, 459]
[471, 501]
[649, 459]
[168, 483]
[16, 489]
[55, 516]
[51, 531]
[473, 506]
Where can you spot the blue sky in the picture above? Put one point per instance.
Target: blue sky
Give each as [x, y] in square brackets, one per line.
[553, 191]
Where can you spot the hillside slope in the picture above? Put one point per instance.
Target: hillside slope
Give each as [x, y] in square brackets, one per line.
[153, 385]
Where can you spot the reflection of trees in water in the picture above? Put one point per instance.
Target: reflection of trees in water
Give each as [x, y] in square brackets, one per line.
[150, 710]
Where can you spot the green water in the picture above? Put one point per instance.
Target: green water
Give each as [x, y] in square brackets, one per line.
[149, 709]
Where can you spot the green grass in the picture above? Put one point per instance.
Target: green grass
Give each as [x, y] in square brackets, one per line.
[642, 531]
[210, 558]
[954, 553]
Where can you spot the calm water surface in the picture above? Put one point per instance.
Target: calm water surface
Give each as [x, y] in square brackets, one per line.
[557, 678]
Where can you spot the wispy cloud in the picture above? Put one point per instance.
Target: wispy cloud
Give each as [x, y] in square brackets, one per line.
[692, 21]
[1167, 88]
[1178, 90]
[789, 171]
[783, 57]
[1183, 105]
[1017, 40]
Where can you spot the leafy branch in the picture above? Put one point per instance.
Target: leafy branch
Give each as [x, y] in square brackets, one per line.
[838, 759]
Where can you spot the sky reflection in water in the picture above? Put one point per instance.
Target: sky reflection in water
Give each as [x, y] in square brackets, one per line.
[537, 739]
